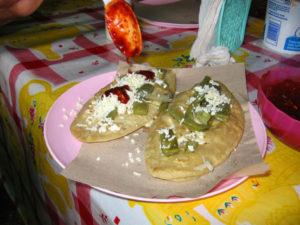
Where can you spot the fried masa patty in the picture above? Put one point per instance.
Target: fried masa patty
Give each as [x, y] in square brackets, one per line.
[219, 141]
[86, 126]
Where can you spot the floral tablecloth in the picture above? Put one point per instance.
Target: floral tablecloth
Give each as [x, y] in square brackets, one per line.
[63, 43]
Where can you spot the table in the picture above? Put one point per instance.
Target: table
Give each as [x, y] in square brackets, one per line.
[63, 43]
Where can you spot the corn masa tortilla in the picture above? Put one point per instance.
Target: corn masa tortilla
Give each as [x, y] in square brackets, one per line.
[220, 140]
[127, 123]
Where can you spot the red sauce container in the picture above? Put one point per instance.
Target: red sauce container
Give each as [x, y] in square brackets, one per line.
[278, 103]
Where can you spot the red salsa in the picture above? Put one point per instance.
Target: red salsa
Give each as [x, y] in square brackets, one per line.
[123, 27]
[286, 96]
[147, 73]
[123, 97]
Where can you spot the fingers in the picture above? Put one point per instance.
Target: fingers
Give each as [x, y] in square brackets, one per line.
[5, 4]
[25, 7]
[5, 14]
[10, 9]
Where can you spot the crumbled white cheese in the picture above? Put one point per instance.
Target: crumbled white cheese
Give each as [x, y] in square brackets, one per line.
[191, 148]
[196, 136]
[172, 138]
[149, 123]
[156, 70]
[137, 150]
[181, 121]
[206, 164]
[212, 97]
[165, 130]
[182, 139]
[190, 100]
[168, 136]
[114, 127]
[133, 80]
[138, 159]
[73, 112]
[136, 174]
[132, 141]
[214, 83]
[159, 81]
[182, 109]
[130, 157]
[97, 113]
[79, 105]
[101, 129]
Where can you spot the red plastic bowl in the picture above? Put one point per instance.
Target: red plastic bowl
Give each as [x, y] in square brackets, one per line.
[283, 126]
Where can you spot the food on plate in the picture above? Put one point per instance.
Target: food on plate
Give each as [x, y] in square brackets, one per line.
[127, 104]
[197, 132]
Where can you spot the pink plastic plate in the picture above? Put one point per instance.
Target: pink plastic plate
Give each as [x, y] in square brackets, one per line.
[158, 2]
[170, 25]
[64, 147]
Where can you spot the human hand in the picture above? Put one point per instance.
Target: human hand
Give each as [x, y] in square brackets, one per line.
[11, 9]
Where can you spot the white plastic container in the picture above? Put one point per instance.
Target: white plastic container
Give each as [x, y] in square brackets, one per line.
[282, 26]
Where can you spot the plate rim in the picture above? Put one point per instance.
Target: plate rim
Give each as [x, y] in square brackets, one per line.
[166, 24]
[170, 25]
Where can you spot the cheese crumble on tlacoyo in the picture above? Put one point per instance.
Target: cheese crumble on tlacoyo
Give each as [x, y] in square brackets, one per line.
[214, 102]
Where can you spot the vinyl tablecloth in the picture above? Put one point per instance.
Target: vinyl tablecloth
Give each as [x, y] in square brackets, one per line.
[63, 43]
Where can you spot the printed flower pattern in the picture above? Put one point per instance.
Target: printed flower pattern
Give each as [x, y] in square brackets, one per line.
[32, 112]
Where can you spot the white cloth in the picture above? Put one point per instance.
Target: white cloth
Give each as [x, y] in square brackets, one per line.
[204, 49]
[216, 56]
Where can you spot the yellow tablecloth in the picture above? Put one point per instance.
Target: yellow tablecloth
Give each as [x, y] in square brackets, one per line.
[63, 43]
